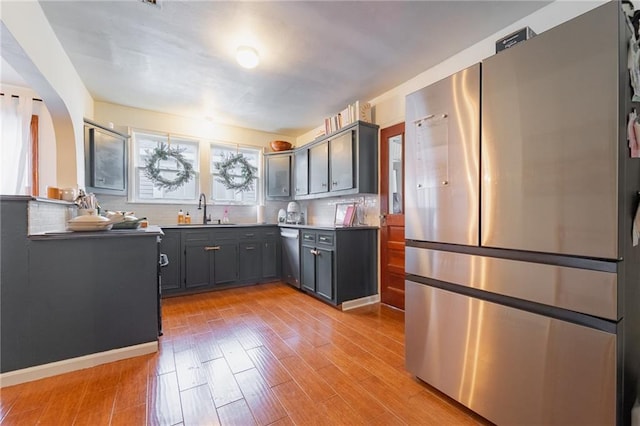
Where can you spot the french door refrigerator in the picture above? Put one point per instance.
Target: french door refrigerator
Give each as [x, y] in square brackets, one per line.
[522, 285]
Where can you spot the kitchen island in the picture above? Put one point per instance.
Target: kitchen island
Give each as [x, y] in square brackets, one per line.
[71, 300]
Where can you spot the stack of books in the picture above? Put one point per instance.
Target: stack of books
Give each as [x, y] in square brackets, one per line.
[356, 111]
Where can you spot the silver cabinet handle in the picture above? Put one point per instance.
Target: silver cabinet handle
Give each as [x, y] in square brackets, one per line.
[209, 248]
[250, 248]
[314, 252]
[335, 183]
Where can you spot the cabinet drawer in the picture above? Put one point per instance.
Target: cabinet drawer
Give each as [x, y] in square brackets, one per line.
[326, 239]
[270, 233]
[308, 237]
[195, 236]
[223, 234]
[249, 234]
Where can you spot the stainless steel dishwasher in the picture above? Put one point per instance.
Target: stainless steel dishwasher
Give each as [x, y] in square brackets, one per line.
[291, 256]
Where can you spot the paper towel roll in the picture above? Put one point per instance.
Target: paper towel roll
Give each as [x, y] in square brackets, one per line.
[260, 212]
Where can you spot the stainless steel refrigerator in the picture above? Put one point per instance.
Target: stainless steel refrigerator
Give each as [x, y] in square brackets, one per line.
[522, 288]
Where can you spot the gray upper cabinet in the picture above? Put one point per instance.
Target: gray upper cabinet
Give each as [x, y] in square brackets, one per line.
[278, 183]
[319, 168]
[301, 172]
[106, 160]
[341, 161]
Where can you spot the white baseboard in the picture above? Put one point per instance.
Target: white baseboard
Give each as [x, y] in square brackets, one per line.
[363, 301]
[73, 364]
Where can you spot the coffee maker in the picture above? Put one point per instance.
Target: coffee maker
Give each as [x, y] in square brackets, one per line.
[294, 214]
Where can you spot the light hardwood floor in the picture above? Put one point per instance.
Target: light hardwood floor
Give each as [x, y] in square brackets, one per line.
[266, 355]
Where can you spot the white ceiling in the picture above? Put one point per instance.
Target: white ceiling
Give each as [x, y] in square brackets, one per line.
[316, 57]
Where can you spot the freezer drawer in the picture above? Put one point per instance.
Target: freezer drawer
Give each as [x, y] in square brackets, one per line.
[550, 140]
[443, 139]
[510, 366]
[580, 290]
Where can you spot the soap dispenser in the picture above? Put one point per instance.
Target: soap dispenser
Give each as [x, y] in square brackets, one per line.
[180, 217]
[225, 216]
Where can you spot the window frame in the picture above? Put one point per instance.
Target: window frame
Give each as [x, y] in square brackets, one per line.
[136, 165]
[234, 147]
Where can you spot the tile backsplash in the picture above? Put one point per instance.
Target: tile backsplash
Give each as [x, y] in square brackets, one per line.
[317, 212]
[46, 216]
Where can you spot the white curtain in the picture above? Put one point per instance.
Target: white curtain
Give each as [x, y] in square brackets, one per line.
[15, 145]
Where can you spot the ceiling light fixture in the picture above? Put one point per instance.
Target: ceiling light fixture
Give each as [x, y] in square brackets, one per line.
[247, 57]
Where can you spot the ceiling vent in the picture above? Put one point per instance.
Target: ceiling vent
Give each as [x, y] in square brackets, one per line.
[155, 3]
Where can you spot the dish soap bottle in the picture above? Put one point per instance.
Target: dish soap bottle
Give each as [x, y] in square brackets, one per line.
[225, 216]
[187, 218]
[180, 217]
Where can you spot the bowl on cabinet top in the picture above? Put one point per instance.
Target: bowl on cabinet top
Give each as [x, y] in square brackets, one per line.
[280, 145]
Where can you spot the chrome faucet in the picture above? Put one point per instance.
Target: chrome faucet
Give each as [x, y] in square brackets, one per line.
[203, 201]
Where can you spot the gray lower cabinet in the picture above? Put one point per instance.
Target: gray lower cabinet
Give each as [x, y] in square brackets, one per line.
[341, 265]
[71, 295]
[250, 255]
[209, 257]
[271, 257]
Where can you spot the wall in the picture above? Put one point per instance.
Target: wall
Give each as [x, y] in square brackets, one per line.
[125, 118]
[389, 108]
[30, 46]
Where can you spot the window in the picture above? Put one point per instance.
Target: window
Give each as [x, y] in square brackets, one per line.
[143, 145]
[222, 195]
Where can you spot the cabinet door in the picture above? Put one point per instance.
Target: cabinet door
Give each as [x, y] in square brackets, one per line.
[270, 250]
[341, 162]
[319, 168]
[308, 259]
[250, 258]
[197, 268]
[278, 176]
[170, 245]
[225, 263]
[324, 273]
[301, 172]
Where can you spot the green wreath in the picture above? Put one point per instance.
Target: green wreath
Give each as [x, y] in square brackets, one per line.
[239, 182]
[153, 172]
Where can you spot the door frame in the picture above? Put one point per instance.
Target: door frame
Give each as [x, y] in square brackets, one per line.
[385, 134]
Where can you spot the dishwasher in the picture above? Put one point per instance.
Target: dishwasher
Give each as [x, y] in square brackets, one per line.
[290, 256]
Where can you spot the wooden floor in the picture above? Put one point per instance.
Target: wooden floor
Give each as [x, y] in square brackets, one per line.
[263, 355]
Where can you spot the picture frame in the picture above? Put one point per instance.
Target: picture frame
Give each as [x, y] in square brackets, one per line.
[341, 214]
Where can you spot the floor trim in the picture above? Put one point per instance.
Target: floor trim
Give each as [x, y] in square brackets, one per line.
[363, 301]
[72, 364]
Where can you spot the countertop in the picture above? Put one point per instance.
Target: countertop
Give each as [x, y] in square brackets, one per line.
[215, 225]
[328, 227]
[113, 233]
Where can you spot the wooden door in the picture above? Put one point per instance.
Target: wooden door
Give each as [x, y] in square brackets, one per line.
[392, 215]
